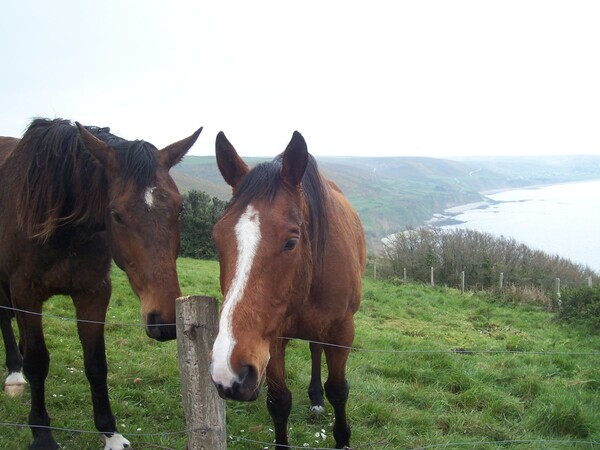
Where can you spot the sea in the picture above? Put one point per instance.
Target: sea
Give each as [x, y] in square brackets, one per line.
[559, 219]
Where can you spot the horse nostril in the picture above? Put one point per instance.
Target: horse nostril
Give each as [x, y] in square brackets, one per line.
[157, 329]
[248, 376]
[244, 388]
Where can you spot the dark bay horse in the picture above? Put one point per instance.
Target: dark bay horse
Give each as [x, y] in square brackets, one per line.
[72, 199]
[292, 254]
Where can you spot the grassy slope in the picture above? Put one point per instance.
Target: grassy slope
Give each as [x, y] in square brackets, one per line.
[398, 400]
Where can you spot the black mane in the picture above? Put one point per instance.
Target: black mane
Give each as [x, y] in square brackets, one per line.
[59, 182]
[137, 159]
[264, 181]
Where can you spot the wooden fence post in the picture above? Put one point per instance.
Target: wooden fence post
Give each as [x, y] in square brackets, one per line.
[462, 282]
[501, 280]
[405, 274]
[432, 282]
[197, 326]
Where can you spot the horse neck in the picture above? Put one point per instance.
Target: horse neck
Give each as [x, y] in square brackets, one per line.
[74, 196]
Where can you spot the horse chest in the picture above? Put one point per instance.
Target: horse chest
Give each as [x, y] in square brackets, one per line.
[309, 323]
[74, 265]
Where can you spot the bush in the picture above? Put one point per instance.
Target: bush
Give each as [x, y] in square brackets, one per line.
[199, 215]
[482, 256]
[582, 305]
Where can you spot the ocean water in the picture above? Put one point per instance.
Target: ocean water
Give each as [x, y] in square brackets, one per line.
[562, 219]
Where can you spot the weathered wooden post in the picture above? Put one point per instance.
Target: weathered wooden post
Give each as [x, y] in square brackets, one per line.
[197, 326]
[590, 281]
[462, 282]
[405, 274]
[501, 280]
[432, 281]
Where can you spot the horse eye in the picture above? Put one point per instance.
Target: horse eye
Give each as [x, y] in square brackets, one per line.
[116, 217]
[290, 245]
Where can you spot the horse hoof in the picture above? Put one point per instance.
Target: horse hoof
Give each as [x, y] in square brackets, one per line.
[317, 409]
[14, 390]
[14, 384]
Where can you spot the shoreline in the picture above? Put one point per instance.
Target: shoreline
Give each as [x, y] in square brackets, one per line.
[448, 216]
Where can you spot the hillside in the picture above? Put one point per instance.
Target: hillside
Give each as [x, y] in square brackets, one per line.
[432, 368]
[391, 193]
[529, 170]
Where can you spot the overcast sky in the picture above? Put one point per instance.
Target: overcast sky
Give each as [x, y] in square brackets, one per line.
[398, 78]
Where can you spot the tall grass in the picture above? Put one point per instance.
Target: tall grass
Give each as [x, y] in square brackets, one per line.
[417, 377]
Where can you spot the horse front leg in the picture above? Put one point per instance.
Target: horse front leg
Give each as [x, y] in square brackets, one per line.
[15, 382]
[14, 385]
[91, 314]
[36, 363]
[315, 388]
[336, 386]
[279, 397]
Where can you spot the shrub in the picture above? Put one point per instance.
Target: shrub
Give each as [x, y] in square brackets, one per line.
[582, 305]
[199, 215]
[482, 256]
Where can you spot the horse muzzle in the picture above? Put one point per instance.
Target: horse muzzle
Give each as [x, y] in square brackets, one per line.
[245, 388]
[157, 329]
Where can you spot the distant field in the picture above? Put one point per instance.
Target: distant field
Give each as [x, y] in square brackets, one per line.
[395, 192]
[420, 377]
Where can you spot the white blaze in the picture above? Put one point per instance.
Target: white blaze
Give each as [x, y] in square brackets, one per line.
[247, 235]
[149, 197]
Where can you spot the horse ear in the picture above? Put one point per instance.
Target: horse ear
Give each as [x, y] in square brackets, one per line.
[232, 167]
[100, 150]
[174, 153]
[295, 160]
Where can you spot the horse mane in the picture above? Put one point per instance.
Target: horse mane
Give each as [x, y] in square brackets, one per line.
[58, 183]
[264, 181]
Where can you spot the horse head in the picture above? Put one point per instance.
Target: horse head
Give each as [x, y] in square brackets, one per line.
[265, 259]
[142, 222]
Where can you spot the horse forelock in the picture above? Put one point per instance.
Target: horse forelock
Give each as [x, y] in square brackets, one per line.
[263, 182]
[137, 159]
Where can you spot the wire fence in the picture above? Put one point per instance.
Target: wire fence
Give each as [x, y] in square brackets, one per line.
[327, 344]
[379, 444]
[384, 443]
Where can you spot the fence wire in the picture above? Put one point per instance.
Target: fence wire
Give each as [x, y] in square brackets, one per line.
[266, 445]
[379, 444]
[460, 351]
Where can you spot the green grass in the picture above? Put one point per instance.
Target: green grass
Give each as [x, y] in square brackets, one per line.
[425, 386]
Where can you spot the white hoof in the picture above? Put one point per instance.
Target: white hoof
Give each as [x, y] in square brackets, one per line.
[116, 442]
[317, 409]
[15, 384]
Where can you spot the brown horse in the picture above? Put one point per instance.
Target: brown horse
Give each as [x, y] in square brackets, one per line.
[72, 199]
[292, 254]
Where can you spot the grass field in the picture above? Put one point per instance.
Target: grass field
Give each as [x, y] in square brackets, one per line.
[417, 377]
